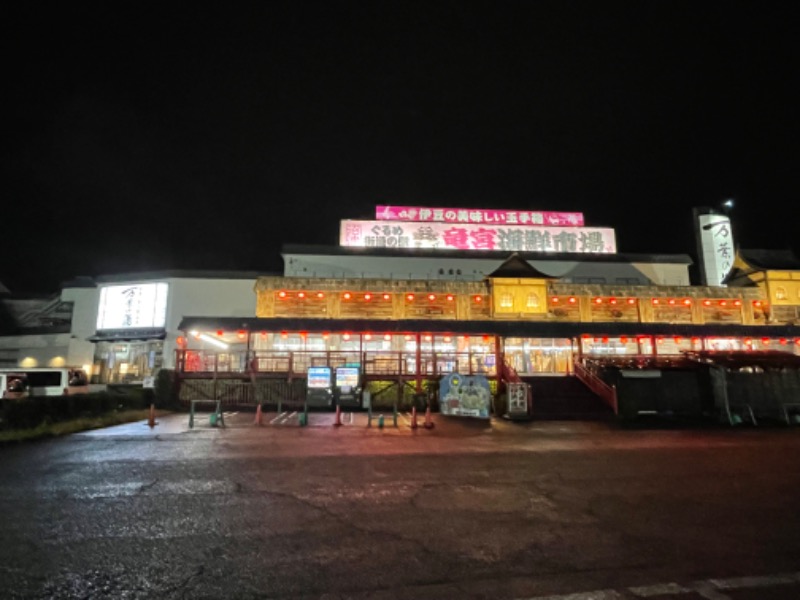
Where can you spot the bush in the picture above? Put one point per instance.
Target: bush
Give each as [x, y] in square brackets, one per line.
[27, 413]
[166, 395]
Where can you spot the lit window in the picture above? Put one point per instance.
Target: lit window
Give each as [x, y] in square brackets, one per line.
[780, 293]
[506, 300]
[532, 301]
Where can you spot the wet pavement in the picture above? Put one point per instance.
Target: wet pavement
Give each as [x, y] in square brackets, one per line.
[462, 509]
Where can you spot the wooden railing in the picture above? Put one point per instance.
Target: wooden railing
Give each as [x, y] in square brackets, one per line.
[297, 362]
[608, 393]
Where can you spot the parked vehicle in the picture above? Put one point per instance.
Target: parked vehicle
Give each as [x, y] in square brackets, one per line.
[56, 381]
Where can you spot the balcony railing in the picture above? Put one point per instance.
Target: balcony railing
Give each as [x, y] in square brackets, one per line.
[296, 363]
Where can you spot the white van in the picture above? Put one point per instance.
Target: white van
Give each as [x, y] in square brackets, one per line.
[56, 381]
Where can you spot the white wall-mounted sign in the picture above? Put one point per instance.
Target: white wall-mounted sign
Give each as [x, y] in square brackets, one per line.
[463, 236]
[132, 306]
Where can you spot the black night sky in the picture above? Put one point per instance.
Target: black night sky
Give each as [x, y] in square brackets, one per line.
[139, 138]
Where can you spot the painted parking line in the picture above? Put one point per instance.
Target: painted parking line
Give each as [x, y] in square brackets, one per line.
[711, 589]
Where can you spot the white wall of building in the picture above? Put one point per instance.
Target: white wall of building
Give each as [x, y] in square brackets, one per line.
[475, 269]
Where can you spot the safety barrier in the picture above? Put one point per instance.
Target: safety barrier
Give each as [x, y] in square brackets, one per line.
[215, 419]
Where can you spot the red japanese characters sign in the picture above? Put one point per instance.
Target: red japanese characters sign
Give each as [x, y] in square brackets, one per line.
[447, 236]
[478, 216]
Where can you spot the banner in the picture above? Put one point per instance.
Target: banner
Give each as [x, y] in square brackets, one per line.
[478, 216]
[446, 236]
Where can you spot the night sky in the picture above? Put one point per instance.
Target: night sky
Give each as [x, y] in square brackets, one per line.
[138, 139]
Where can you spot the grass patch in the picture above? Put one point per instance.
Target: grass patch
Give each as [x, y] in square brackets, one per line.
[46, 430]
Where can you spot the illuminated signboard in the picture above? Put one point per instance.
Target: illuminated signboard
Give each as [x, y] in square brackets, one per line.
[716, 247]
[465, 396]
[449, 236]
[347, 377]
[478, 216]
[319, 377]
[132, 306]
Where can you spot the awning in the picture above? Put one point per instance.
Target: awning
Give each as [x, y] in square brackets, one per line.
[128, 335]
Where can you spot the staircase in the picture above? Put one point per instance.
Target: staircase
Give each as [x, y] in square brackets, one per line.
[566, 398]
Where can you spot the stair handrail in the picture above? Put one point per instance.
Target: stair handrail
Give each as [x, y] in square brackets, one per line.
[509, 373]
[608, 393]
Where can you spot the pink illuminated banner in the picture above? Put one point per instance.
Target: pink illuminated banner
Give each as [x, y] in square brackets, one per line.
[478, 216]
[447, 236]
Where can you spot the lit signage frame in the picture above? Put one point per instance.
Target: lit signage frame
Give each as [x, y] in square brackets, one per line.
[450, 236]
[133, 306]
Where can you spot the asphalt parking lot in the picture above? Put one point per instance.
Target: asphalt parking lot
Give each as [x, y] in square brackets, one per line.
[464, 509]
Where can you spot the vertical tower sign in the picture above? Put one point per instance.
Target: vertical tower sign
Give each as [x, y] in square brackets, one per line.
[715, 245]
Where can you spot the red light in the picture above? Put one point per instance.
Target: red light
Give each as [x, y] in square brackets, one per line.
[797, 341]
[672, 300]
[486, 338]
[655, 300]
[325, 335]
[605, 339]
[387, 337]
[410, 297]
[631, 300]
[367, 297]
[598, 300]
[660, 340]
[346, 336]
[737, 302]
[284, 335]
[678, 339]
[765, 341]
[304, 334]
[431, 297]
[367, 336]
[612, 300]
[572, 300]
[181, 341]
[757, 303]
[263, 334]
[706, 302]
[782, 341]
[240, 334]
[723, 302]
[695, 340]
[347, 295]
[624, 339]
[301, 294]
[586, 336]
[747, 341]
[320, 295]
[478, 299]
[387, 297]
[408, 338]
[282, 294]
[220, 332]
[688, 301]
[450, 297]
[554, 299]
[428, 338]
[447, 338]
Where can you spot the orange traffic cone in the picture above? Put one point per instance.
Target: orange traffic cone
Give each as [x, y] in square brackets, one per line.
[258, 414]
[151, 420]
[428, 423]
[338, 416]
[414, 417]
